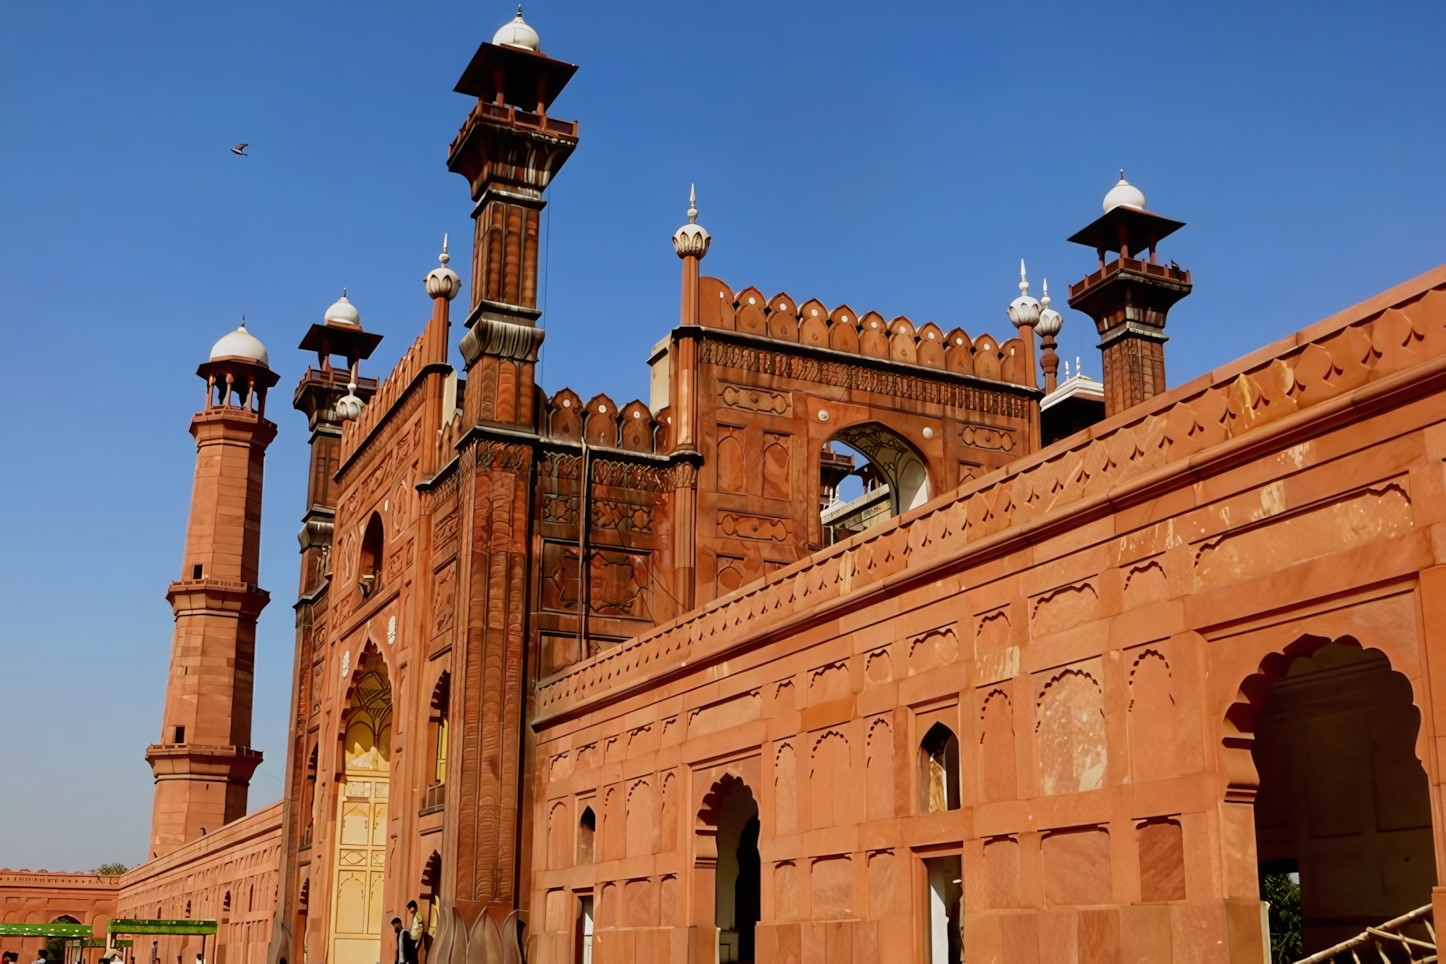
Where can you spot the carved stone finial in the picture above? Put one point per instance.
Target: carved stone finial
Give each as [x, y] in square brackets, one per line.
[692, 239]
[1050, 321]
[1024, 310]
[442, 281]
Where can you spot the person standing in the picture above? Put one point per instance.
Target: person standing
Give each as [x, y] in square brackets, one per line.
[406, 947]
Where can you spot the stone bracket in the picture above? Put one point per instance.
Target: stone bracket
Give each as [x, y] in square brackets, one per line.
[501, 339]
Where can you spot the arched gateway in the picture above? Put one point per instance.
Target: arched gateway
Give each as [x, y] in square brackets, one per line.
[1343, 828]
[362, 801]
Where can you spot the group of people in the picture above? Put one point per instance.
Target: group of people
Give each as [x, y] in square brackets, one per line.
[409, 939]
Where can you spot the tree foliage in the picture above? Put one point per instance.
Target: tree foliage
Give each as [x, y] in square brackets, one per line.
[1283, 895]
[110, 869]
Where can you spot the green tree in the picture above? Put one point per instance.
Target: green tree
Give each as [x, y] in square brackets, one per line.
[1283, 895]
[111, 869]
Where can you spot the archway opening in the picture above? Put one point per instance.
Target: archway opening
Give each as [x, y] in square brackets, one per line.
[437, 742]
[361, 823]
[867, 475]
[1343, 811]
[736, 906]
[58, 948]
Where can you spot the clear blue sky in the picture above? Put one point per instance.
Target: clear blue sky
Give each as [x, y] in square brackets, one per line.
[899, 157]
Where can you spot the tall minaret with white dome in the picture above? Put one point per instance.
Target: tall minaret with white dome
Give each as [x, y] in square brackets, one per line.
[1129, 298]
[509, 148]
[203, 761]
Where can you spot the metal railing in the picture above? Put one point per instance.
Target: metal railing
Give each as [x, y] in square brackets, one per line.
[1383, 936]
[435, 798]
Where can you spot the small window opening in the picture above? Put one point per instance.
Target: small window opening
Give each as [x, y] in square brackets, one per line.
[180, 735]
[196, 570]
[188, 908]
[370, 578]
[441, 696]
[586, 832]
[939, 770]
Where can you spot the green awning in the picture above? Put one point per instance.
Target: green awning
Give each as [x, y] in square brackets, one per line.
[44, 930]
[162, 927]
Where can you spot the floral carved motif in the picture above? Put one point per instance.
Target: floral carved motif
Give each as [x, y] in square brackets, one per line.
[982, 437]
[756, 400]
[753, 527]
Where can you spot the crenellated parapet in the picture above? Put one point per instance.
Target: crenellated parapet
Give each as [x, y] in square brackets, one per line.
[868, 335]
[355, 431]
[603, 424]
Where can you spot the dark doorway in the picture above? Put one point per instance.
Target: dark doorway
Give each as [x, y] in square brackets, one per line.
[736, 907]
[1343, 814]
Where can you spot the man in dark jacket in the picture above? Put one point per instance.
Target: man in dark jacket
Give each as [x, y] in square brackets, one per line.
[406, 947]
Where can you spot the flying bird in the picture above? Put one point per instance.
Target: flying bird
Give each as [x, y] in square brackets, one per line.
[240, 149]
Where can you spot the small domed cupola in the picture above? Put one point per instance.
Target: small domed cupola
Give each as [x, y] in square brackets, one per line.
[517, 33]
[1124, 194]
[238, 373]
[240, 344]
[343, 313]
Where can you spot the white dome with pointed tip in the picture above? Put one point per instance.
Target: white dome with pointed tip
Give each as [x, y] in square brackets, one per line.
[516, 33]
[1124, 195]
[241, 344]
[343, 313]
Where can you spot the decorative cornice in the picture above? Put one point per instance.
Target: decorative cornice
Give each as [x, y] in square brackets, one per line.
[1147, 332]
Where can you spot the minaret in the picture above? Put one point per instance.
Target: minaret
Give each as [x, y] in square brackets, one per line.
[203, 761]
[1050, 322]
[327, 397]
[1024, 315]
[691, 242]
[509, 149]
[1129, 299]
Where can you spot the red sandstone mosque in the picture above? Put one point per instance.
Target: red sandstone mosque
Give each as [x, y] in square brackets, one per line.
[598, 682]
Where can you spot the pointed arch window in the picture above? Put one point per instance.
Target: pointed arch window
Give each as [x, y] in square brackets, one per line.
[939, 770]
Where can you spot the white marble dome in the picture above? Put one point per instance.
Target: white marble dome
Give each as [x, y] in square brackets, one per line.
[343, 313]
[240, 344]
[1124, 195]
[516, 33]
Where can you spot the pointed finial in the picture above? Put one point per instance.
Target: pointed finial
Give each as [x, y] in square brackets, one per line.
[692, 239]
[1024, 310]
[1050, 321]
[243, 320]
[442, 281]
[343, 292]
[1122, 173]
[1076, 365]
